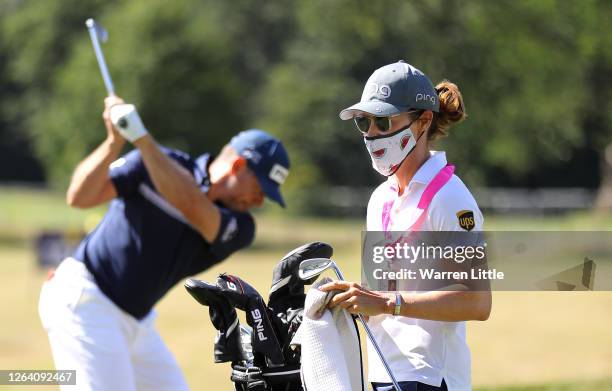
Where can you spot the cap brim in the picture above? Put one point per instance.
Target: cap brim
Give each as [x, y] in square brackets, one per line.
[272, 191]
[374, 107]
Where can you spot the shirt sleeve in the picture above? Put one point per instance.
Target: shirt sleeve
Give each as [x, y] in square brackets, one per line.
[455, 215]
[455, 209]
[236, 231]
[127, 173]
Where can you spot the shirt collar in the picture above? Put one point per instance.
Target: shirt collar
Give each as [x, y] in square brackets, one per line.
[200, 171]
[426, 172]
[430, 168]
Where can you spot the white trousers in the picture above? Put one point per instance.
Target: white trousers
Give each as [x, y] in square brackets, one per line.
[108, 348]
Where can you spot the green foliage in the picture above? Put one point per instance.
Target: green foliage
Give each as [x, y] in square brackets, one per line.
[534, 75]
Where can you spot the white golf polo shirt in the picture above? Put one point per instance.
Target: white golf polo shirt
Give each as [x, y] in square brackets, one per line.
[422, 350]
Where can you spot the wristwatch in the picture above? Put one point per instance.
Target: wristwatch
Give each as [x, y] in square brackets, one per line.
[398, 304]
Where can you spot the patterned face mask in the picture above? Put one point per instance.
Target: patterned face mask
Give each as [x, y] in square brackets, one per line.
[388, 151]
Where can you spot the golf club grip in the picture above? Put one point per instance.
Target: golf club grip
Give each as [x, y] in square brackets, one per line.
[101, 62]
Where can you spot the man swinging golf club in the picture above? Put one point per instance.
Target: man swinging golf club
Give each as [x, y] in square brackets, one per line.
[171, 216]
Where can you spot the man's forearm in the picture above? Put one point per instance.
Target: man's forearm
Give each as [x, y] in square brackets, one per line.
[90, 180]
[178, 187]
[448, 306]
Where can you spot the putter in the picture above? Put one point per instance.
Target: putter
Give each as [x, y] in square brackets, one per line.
[97, 33]
[311, 268]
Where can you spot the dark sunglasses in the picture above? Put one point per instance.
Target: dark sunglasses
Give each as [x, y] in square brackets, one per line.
[383, 124]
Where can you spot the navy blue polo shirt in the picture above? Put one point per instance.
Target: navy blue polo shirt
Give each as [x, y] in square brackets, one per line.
[143, 245]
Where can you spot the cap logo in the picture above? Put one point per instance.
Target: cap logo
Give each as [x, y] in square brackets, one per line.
[428, 97]
[278, 173]
[376, 89]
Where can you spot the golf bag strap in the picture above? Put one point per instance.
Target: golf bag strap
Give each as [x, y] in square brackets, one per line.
[441, 179]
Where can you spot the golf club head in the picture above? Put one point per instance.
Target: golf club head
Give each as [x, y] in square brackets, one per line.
[287, 290]
[313, 267]
[228, 344]
[100, 31]
[245, 297]
[239, 292]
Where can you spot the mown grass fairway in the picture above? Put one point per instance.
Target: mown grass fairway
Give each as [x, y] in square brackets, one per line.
[534, 341]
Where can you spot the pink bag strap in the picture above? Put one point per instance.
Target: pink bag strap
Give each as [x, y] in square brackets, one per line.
[443, 176]
[433, 187]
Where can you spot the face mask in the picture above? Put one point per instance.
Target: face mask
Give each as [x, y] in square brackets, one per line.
[388, 151]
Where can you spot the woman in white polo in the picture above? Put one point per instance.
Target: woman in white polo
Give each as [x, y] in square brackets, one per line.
[422, 335]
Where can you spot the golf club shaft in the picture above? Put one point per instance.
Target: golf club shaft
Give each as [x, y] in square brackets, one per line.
[100, 57]
[380, 354]
[372, 340]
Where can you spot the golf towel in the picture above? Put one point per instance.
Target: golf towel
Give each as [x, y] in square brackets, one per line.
[330, 348]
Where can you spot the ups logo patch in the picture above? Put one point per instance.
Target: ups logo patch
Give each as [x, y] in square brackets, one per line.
[466, 219]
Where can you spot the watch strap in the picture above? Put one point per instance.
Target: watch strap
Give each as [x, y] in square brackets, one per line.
[398, 304]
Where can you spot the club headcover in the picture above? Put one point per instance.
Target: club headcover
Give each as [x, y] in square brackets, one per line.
[287, 290]
[245, 297]
[223, 315]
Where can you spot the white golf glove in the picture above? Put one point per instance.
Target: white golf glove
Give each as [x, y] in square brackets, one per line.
[126, 120]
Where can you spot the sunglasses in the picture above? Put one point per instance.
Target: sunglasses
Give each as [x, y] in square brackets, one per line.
[363, 123]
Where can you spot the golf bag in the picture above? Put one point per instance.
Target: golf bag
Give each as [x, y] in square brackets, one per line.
[259, 353]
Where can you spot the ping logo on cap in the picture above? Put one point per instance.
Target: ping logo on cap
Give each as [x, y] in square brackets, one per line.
[428, 97]
[375, 89]
[278, 173]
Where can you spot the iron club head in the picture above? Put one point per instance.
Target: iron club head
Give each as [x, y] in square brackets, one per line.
[312, 267]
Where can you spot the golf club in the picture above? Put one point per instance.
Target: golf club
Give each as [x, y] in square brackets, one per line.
[243, 296]
[287, 290]
[97, 33]
[313, 267]
[228, 342]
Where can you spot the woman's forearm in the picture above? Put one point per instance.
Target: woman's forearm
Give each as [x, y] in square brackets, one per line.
[448, 306]
[90, 184]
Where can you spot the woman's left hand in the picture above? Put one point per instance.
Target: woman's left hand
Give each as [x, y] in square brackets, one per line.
[358, 300]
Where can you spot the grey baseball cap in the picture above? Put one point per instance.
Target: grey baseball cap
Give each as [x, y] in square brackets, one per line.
[393, 89]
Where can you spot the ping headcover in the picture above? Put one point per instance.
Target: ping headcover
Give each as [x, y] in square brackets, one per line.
[223, 315]
[287, 289]
[245, 297]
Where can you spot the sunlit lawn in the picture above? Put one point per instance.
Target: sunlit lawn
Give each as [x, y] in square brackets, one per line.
[551, 340]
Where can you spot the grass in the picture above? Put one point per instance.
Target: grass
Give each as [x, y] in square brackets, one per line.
[534, 341]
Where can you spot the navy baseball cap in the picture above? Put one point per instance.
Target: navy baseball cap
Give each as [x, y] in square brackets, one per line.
[266, 157]
[394, 89]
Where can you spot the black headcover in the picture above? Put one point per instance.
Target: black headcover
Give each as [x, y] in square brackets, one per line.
[223, 315]
[287, 290]
[245, 297]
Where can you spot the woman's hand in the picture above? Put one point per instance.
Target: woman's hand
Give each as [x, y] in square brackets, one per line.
[112, 134]
[357, 300]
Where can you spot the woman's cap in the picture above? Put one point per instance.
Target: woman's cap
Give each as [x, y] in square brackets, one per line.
[393, 89]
